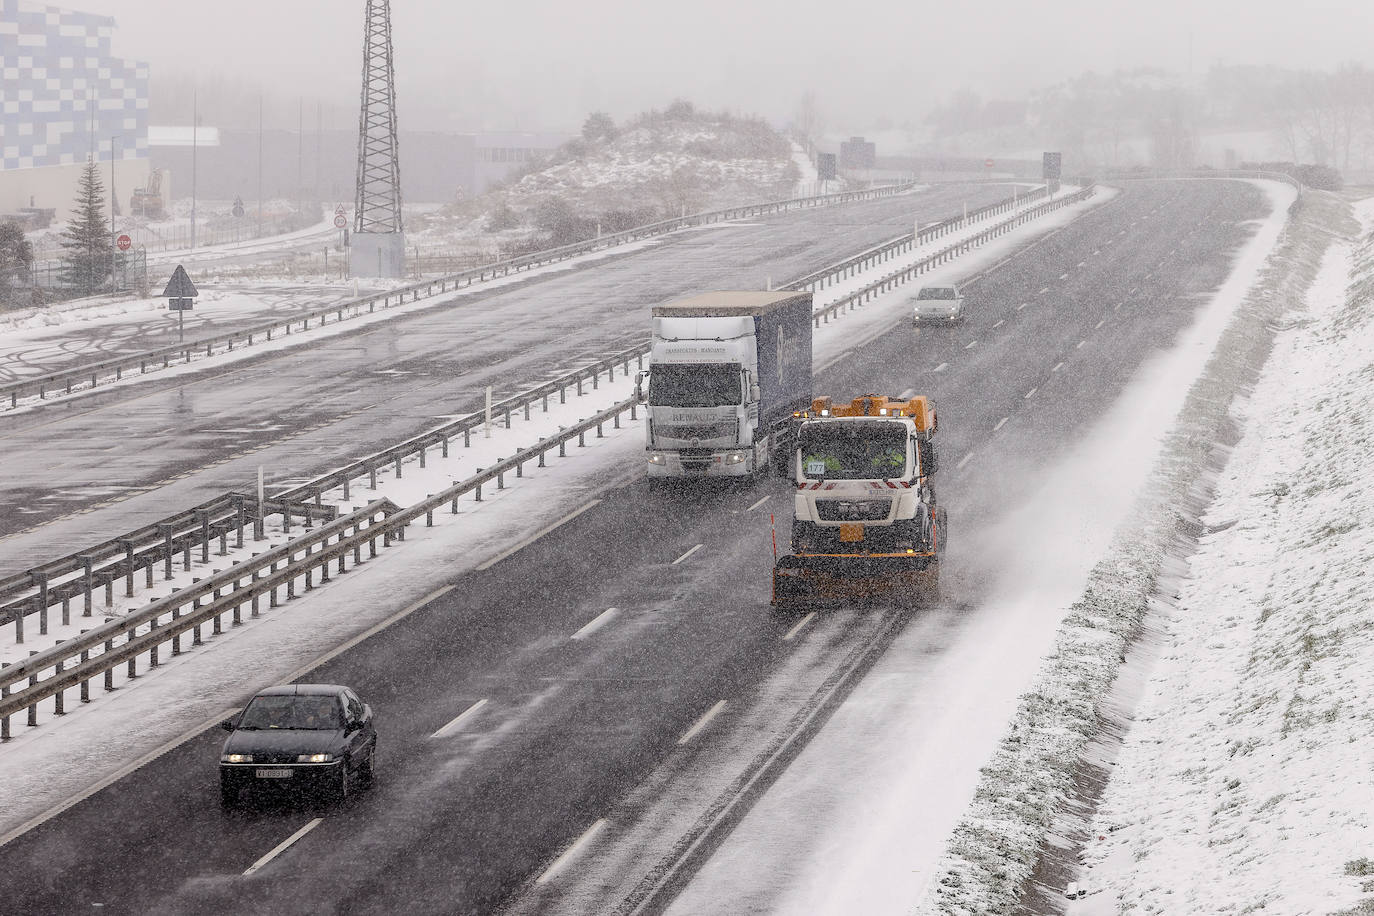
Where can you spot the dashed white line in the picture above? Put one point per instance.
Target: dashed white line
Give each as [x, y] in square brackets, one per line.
[1000, 423]
[701, 723]
[940, 368]
[1080, 345]
[970, 345]
[1043, 291]
[1029, 394]
[1064, 276]
[1132, 290]
[757, 504]
[572, 851]
[1057, 367]
[800, 623]
[459, 719]
[596, 623]
[1082, 263]
[1117, 307]
[1000, 322]
[1097, 251]
[686, 555]
[1100, 324]
[283, 846]
[1110, 241]
[1022, 305]
[963, 461]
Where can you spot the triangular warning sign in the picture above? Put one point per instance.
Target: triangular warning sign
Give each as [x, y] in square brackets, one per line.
[180, 286]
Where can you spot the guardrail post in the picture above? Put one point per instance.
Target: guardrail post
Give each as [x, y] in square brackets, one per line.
[128, 546]
[507, 418]
[423, 450]
[58, 706]
[444, 453]
[203, 516]
[398, 467]
[4, 720]
[33, 710]
[239, 517]
[109, 672]
[478, 489]
[186, 556]
[88, 563]
[85, 682]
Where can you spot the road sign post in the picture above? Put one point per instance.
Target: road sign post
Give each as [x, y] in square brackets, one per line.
[180, 292]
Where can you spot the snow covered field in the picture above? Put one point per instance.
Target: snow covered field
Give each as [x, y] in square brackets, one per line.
[1246, 783]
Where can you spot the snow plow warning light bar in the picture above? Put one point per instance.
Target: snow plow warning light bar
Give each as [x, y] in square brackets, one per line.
[918, 408]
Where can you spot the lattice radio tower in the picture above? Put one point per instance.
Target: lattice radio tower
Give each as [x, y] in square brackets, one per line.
[378, 201]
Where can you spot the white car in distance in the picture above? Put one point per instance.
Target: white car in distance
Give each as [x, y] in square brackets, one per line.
[938, 303]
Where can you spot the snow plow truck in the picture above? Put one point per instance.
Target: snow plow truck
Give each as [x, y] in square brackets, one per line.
[866, 523]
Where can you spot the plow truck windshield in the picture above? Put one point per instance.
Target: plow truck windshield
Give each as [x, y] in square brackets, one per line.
[853, 451]
[695, 385]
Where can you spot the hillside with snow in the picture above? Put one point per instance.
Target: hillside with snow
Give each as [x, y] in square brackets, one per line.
[657, 165]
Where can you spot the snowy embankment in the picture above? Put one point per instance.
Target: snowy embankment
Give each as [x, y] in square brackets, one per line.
[1018, 809]
[1246, 782]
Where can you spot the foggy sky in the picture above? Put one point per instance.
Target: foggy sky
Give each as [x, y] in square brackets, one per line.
[542, 64]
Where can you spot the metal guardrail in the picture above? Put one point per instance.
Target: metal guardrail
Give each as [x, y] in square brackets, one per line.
[67, 380]
[74, 664]
[38, 590]
[904, 243]
[35, 592]
[892, 280]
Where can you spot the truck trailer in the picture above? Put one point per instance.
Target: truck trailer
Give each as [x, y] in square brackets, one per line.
[866, 522]
[728, 371]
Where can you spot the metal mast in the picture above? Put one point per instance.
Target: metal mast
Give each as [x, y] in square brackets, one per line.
[378, 200]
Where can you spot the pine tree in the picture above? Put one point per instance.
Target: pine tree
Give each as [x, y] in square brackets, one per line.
[16, 255]
[86, 240]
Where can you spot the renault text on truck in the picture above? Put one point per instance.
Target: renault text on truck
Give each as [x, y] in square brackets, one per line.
[727, 372]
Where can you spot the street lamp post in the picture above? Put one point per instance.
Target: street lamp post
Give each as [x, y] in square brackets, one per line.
[114, 157]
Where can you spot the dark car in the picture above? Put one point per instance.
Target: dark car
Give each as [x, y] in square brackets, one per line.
[306, 740]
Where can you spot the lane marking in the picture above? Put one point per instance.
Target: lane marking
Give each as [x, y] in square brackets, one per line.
[1097, 251]
[536, 536]
[1080, 345]
[963, 461]
[1082, 263]
[1022, 305]
[462, 717]
[1000, 423]
[970, 345]
[369, 632]
[1043, 291]
[1030, 393]
[572, 851]
[1117, 307]
[757, 504]
[284, 845]
[1000, 322]
[1057, 367]
[1064, 276]
[117, 775]
[701, 723]
[686, 555]
[597, 623]
[1110, 241]
[1099, 324]
[940, 368]
[1133, 289]
[797, 629]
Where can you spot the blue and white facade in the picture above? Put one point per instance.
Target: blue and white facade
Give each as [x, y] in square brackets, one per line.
[63, 98]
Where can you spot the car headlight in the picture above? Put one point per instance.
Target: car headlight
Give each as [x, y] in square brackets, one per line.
[315, 758]
[658, 458]
[735, 457]
[236, 758]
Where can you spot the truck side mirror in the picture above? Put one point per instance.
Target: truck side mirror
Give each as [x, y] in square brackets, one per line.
[639, 387]
[754, 393]
[930, 460]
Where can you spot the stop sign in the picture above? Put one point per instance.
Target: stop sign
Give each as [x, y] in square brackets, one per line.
[124, 243]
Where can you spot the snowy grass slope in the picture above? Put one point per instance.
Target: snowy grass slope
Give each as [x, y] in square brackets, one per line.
[994, 849]
[1245, 784]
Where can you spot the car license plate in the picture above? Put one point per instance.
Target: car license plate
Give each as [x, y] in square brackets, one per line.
[274, 774]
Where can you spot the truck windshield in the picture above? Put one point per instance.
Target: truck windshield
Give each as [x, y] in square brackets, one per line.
[937, 292]
[853, 451]
[695, 385]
